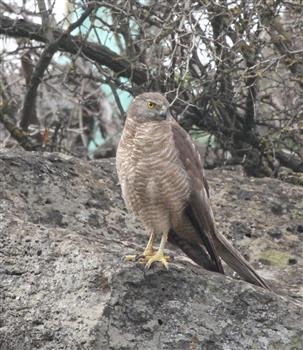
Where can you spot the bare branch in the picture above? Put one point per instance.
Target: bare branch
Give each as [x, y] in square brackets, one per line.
[44, 61]
[98, 53]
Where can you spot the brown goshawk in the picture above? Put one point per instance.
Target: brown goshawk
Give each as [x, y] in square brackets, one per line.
[161, 176]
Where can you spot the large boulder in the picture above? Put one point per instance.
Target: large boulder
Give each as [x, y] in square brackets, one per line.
[64, 285]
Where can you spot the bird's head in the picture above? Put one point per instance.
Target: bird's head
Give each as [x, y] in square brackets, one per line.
[147, 107]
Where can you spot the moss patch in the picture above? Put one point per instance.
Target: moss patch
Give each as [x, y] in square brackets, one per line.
[276, 258]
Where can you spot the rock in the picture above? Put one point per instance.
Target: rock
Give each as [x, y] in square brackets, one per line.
[300, 228]
[63, 284]
[277, 233]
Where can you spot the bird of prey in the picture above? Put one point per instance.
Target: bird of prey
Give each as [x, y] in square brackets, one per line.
[163, 184]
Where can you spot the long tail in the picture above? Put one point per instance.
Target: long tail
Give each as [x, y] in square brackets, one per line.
[196, 252]
[237, 262]
[216, 246]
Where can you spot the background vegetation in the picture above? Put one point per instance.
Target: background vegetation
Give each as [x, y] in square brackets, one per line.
[233, 71]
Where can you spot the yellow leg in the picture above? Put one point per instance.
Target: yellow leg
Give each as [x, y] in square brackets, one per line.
[159, 256]
[148, 251]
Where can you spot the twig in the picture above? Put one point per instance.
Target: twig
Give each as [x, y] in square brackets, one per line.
[98, 53]
[44, 61]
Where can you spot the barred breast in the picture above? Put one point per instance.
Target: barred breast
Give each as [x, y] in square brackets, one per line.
[155, 186]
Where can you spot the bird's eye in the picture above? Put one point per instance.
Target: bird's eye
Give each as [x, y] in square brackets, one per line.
[150, 105]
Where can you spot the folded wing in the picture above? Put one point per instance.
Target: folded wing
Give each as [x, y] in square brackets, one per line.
[198, 237]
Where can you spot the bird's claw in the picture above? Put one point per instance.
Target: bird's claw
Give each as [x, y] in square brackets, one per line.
[158, 257]
[148, 260]
[141, 258]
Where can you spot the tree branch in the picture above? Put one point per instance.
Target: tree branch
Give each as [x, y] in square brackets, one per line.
[98, 53]
[44, 61]
[18, 134]
[283, 42]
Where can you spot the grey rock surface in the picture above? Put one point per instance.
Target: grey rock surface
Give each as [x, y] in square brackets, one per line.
[64, 285]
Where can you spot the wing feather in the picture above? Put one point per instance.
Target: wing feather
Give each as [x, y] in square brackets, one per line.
[198, 209]
[199, 212]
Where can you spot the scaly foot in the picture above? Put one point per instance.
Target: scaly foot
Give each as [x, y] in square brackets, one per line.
[141, 258]
[130, 257]
[158, 257]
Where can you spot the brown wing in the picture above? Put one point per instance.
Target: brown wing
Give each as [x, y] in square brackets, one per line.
[198, 210]
[196, 252]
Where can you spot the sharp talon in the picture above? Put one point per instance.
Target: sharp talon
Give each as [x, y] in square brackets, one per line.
[143, 259]
[139, 257]
[158, 257]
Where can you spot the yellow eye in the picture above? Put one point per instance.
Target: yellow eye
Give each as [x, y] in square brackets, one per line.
[150, 105]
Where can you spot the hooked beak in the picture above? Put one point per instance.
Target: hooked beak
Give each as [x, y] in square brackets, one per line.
[164, 112]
